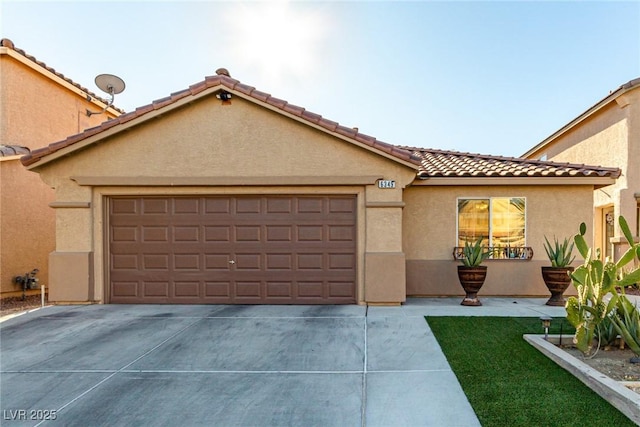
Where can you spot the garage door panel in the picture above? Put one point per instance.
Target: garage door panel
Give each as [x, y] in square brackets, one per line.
[186, 234]
[186, 206]
[218, 233]
[248, 289]
[218, 289]
[279, 205]
[341, 261]
[248, 205]
[279, 261]
[225, 249]
[124, 206]
[279, 233]
[124, 289]
[124, 234]
[249, 261]
[279, 289]
[155, 234]
[217, 262]
[311, 205]
[186, 262]
[155, 289]
[155, 262]
[248, 233]
[155, 206]
[187, 289]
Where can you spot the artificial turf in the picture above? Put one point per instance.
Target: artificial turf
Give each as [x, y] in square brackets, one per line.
[510, 383]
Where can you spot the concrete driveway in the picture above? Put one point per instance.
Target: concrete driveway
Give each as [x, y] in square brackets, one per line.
[125, 365]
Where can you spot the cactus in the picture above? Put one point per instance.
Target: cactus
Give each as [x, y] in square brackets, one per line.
[593, 281]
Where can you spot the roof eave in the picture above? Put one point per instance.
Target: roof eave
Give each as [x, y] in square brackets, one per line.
[596, 182]
[196, 92]
[613, 96]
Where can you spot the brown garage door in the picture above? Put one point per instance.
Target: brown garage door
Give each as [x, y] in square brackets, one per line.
[233, 250]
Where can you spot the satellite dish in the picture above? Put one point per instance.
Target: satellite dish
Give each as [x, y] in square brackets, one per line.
[109, 83]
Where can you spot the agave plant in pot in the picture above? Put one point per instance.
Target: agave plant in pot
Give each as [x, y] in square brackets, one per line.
[471, 274]
[558, 276]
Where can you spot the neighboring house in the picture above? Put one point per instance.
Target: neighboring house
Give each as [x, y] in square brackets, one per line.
[608, 134]
[37, 106]
[221, 193]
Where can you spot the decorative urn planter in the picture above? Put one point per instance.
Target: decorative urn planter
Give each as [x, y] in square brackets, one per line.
[471, 279]
[557, 280]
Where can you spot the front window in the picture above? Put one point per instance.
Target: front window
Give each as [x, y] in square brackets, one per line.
[500, 221]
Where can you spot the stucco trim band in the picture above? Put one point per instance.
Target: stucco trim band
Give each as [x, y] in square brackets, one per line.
[385, 204]
[68, 205]
[137, 181]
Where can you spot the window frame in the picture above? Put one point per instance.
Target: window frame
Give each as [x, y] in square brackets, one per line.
[490, 198]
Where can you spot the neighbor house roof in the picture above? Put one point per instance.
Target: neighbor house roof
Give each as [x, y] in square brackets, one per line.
[428, 163]
[12, 150]
[31, 61]
[615, 96]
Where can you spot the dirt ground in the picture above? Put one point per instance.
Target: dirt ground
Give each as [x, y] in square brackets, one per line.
[12, 305]
[614, 363]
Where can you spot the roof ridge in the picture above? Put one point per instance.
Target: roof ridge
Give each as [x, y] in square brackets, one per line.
[231, 84]
[5, 42]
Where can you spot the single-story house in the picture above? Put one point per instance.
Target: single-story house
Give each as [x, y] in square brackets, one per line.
[222, 193]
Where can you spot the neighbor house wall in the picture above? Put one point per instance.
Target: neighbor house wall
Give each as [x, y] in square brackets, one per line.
[36, 108]
[429, 224]
[610, 137]
[209, 148]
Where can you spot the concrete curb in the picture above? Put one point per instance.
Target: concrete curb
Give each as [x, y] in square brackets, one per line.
[623, 399]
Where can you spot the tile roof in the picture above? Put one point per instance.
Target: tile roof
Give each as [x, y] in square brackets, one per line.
[9, 45]
[12, 150]
[429, 163]
[226, 83]
[446, 164]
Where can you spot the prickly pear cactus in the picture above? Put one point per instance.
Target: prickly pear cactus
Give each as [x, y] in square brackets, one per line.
[596, 282]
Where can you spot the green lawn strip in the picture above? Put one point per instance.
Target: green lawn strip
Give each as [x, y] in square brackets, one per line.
[510, 383]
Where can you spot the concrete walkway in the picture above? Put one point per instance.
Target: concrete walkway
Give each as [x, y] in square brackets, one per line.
[237, 365]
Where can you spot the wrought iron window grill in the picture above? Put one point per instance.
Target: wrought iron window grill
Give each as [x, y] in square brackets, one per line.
[500, 252]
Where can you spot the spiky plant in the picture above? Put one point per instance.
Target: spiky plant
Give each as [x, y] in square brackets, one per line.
[560, 254]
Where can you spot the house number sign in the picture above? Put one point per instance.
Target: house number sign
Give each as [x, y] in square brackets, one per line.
[386, 183]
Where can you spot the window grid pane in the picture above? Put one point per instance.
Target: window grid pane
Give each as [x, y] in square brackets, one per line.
[499, 221]
[473, 220]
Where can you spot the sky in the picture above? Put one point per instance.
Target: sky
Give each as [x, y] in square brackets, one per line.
[491, 77]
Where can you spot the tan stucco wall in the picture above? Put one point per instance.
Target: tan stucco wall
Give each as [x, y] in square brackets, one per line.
[429, 234]
[35, 110]
[608, 137]
[24, 214]
[241, 141]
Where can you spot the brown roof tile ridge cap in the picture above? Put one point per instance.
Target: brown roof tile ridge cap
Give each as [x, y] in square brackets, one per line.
[631, 83]
[5, 42]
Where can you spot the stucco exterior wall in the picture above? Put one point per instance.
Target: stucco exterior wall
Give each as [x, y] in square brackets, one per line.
[608, 137]
[35, 110]
[210, 148]
[429, 236]
[24, 215]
